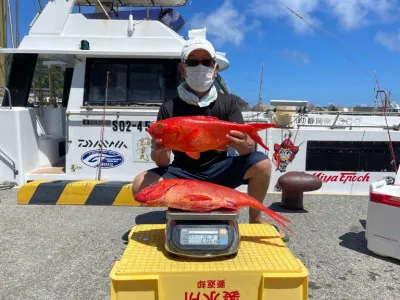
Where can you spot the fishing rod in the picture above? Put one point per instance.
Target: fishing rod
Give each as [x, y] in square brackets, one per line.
[335, 37]
[317, 29]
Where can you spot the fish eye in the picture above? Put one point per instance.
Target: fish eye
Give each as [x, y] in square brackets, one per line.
[159, 127]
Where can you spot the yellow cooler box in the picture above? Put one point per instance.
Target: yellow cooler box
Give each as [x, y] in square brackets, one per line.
[264, 268]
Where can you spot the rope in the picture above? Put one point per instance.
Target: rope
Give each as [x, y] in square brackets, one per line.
[6, 185]
[384, 105]
[363, 70]
[98, 175]
[344, 54]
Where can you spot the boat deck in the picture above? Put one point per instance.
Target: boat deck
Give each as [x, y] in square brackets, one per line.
[67, 252]
[50, 170]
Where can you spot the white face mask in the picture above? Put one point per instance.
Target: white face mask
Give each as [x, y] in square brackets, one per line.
[199, 78]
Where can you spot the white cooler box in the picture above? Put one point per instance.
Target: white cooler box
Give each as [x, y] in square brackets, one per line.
[383, 220]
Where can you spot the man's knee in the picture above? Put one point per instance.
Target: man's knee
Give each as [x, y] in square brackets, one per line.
[263, 167]
[143, 180]
[260, 165]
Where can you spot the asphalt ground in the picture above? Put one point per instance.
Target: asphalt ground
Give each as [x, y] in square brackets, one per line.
[67, 252]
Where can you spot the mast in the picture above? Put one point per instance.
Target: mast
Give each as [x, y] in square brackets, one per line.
[3, 43]
[259, 93]
[11, 24]
[16, 24]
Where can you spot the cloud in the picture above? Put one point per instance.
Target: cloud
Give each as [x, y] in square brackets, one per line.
[350, 14]
[274, 10]
[226, 23]
[298, 57]
[229, 24]
[389, 40]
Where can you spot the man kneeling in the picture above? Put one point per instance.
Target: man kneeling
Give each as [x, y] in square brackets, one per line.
[198, 96]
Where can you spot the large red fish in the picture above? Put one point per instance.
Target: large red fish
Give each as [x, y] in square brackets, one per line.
[200, 196]
[196, 134]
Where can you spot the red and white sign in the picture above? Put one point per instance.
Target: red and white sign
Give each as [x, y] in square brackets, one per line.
[344, 177]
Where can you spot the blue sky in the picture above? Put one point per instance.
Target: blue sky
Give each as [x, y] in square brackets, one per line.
[299, 63]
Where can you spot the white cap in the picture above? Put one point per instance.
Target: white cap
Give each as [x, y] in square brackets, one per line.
[197, 41]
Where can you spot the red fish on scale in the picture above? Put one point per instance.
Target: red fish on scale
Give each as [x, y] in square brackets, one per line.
[196, 134]
[200, 196]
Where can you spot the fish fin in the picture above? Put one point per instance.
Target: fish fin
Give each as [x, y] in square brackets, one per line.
[258, 127]
[258, 139]
[262, 126]
[230, 204]
[204, 118]
[194, 155]
[223, 148]
[198, 197]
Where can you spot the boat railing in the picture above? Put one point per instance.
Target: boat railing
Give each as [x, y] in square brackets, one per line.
[11, 161]
[333, 112]
[9, 97]
[298, 118]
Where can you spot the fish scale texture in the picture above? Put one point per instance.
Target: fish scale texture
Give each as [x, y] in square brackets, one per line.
[261, 250]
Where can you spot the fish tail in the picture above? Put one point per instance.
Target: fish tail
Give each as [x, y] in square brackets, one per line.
[262, 126]
[277, 217]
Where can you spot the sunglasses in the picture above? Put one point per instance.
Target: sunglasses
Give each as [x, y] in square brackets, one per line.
[204, 62]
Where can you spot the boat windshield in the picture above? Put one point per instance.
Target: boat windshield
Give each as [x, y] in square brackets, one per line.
[131, 81]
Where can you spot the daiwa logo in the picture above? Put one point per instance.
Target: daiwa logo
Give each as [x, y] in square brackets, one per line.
[109, 159]
[343, 177]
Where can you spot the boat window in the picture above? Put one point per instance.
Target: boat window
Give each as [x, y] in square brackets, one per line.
[367, 156]
[131, 81]
[117, 75]
[20, 78]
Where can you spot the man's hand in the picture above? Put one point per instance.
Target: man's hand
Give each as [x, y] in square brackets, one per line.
[160, 154]
[241, 142]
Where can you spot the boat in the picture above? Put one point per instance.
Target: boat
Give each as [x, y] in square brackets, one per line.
[119, 65]
[347, 150]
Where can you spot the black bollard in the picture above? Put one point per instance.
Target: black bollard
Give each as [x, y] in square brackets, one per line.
[293, 185]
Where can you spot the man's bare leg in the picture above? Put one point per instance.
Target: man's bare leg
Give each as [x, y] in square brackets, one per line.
[143, 180]
[259, 176]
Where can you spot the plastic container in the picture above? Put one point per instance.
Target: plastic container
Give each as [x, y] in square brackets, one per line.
[284, 115]
[264, 268]
[383, 220]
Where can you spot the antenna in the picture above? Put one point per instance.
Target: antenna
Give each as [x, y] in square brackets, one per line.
[16, 24]
[259, 93]
[40, 5]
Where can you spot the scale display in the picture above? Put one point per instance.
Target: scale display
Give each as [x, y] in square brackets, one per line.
[197, 236]
[202, 235]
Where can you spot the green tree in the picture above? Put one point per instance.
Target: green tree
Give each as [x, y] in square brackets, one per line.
[41, 80]
[332, 107]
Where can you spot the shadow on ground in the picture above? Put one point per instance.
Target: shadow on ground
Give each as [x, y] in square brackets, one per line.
[356, 241]
[152, 217]
[277, 207]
